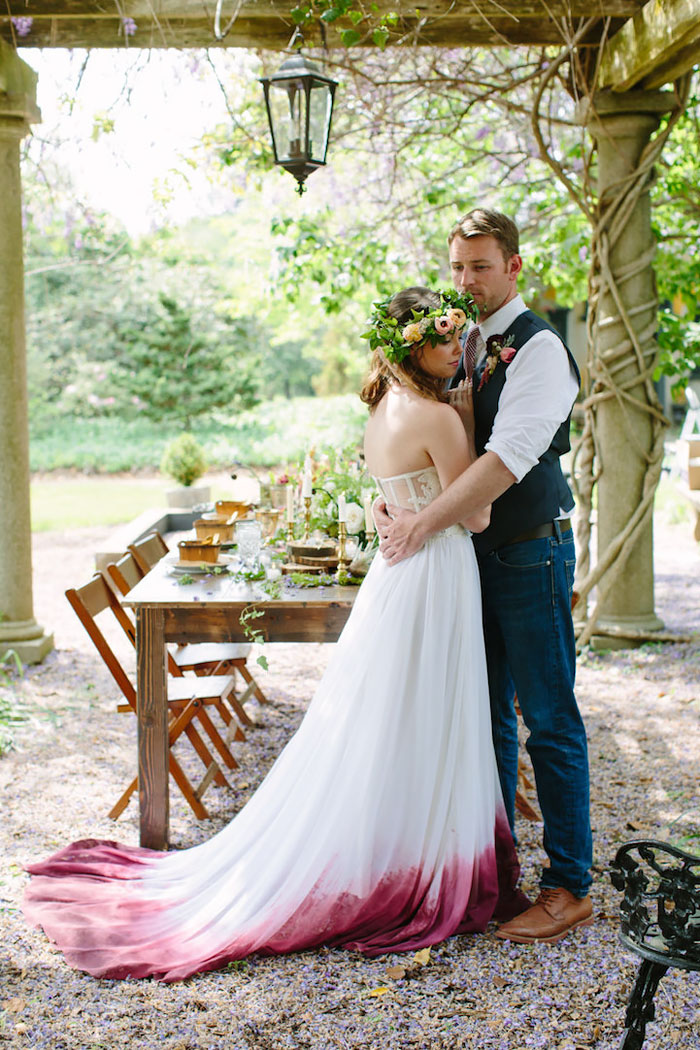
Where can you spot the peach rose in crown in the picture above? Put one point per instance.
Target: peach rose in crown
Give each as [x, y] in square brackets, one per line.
[412, 333]
[457, 316]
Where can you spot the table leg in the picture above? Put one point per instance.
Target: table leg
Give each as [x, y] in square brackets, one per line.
[152, 710]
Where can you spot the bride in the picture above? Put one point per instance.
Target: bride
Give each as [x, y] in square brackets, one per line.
[380, 827]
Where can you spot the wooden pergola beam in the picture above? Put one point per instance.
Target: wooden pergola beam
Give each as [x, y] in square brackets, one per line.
[269, 25]
[658, 45]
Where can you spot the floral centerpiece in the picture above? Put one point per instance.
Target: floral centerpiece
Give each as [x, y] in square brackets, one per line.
[337, 473]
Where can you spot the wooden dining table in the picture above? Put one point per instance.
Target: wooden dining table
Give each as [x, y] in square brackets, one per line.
[208, 609]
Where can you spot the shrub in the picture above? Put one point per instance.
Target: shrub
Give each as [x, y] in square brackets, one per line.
[184, 460]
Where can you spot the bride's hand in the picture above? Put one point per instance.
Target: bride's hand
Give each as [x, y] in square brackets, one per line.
[462, 401]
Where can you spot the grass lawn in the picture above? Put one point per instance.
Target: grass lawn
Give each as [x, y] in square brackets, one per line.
[74, 502]
[71, 503]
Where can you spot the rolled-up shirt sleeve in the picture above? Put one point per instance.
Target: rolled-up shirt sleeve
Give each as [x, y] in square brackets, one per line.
[537, 396]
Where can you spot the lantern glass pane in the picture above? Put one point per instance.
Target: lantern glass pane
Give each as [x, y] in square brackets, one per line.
[319, 121]
[288, 112]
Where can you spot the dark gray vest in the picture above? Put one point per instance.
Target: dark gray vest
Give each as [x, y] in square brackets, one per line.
[543, 492]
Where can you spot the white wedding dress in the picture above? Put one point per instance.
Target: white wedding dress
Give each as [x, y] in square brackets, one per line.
[379, 828]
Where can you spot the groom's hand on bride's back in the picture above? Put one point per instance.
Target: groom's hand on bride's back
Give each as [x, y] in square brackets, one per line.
[398, 535]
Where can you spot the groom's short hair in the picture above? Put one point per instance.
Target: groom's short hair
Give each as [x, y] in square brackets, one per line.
[482, 222]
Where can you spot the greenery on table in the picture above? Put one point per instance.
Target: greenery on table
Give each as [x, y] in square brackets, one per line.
[322, 579]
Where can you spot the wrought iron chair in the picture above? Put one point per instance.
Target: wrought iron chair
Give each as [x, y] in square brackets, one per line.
[659, 921]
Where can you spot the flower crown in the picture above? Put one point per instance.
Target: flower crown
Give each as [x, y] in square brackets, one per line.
[396, 341]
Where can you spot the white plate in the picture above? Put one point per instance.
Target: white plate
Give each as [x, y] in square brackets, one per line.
[199, 568]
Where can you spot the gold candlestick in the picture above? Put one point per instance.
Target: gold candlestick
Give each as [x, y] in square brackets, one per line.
[343, 562]
[307, 517]
[290, 531]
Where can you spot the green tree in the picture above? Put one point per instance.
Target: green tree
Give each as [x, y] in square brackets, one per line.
[176, 370]
[430, 133]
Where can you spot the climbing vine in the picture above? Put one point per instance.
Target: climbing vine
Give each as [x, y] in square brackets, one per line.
[623, 372]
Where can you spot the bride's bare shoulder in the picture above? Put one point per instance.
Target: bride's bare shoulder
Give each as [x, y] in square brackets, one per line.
[428, 416]
[408, 403]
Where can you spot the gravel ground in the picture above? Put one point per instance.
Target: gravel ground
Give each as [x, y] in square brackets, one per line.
[74, 756]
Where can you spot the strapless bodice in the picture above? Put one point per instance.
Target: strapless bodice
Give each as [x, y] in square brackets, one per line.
[415, 490]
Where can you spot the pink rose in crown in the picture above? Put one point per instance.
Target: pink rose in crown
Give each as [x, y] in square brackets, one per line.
[507, 355]
[444, 325]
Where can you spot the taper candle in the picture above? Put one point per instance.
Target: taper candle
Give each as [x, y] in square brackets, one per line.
[369, 520]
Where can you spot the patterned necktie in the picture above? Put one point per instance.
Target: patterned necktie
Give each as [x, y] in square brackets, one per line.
[470, 351]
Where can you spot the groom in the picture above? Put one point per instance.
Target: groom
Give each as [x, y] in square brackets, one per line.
[525, 382]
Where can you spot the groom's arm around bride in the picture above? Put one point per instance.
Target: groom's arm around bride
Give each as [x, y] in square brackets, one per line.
[524, 381]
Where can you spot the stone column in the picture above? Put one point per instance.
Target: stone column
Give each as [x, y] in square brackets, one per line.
[18, 628]
[622, 125]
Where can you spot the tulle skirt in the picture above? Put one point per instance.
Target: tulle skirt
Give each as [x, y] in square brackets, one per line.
[379, 828]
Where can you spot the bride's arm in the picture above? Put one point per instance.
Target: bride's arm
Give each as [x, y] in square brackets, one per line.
[449, 448]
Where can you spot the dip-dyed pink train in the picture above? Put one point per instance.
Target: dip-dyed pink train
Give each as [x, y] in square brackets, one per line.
[379, 828]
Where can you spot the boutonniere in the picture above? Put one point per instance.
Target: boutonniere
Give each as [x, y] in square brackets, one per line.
[497, 349]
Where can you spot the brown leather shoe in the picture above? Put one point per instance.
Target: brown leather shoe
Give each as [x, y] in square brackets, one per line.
[510, 905]
[553, 914]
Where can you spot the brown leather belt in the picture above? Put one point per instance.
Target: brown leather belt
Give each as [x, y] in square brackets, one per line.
[541, 531]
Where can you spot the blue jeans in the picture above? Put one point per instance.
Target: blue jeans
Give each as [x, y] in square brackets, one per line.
[530, 650]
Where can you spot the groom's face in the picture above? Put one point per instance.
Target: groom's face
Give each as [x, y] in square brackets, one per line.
[480, 270]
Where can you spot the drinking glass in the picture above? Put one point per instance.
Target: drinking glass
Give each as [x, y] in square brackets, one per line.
[248, 543]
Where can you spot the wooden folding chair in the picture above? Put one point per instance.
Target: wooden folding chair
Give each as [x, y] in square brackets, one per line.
[90, 601]
[212, 693]
[148, 551]
[204, 658]
[125, 574]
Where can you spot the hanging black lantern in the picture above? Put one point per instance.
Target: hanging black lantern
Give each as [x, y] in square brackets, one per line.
[299, 101]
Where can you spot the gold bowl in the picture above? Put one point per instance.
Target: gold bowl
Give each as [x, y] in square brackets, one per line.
[269, 518]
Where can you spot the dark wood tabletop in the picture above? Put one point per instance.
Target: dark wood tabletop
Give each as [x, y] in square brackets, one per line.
[208, 610]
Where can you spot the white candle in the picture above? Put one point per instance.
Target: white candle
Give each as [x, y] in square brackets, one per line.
[290, 504]
[306, 485]
[341, 508]
[369, 520]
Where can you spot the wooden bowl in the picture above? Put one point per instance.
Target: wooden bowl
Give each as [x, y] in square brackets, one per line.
[196, 550]
[208, 528]
[227, 507]
[312, 550]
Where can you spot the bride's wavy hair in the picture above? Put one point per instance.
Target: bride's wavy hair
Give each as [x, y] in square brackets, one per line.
[408, 372]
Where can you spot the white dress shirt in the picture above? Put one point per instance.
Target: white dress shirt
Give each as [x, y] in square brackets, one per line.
[539, 391]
